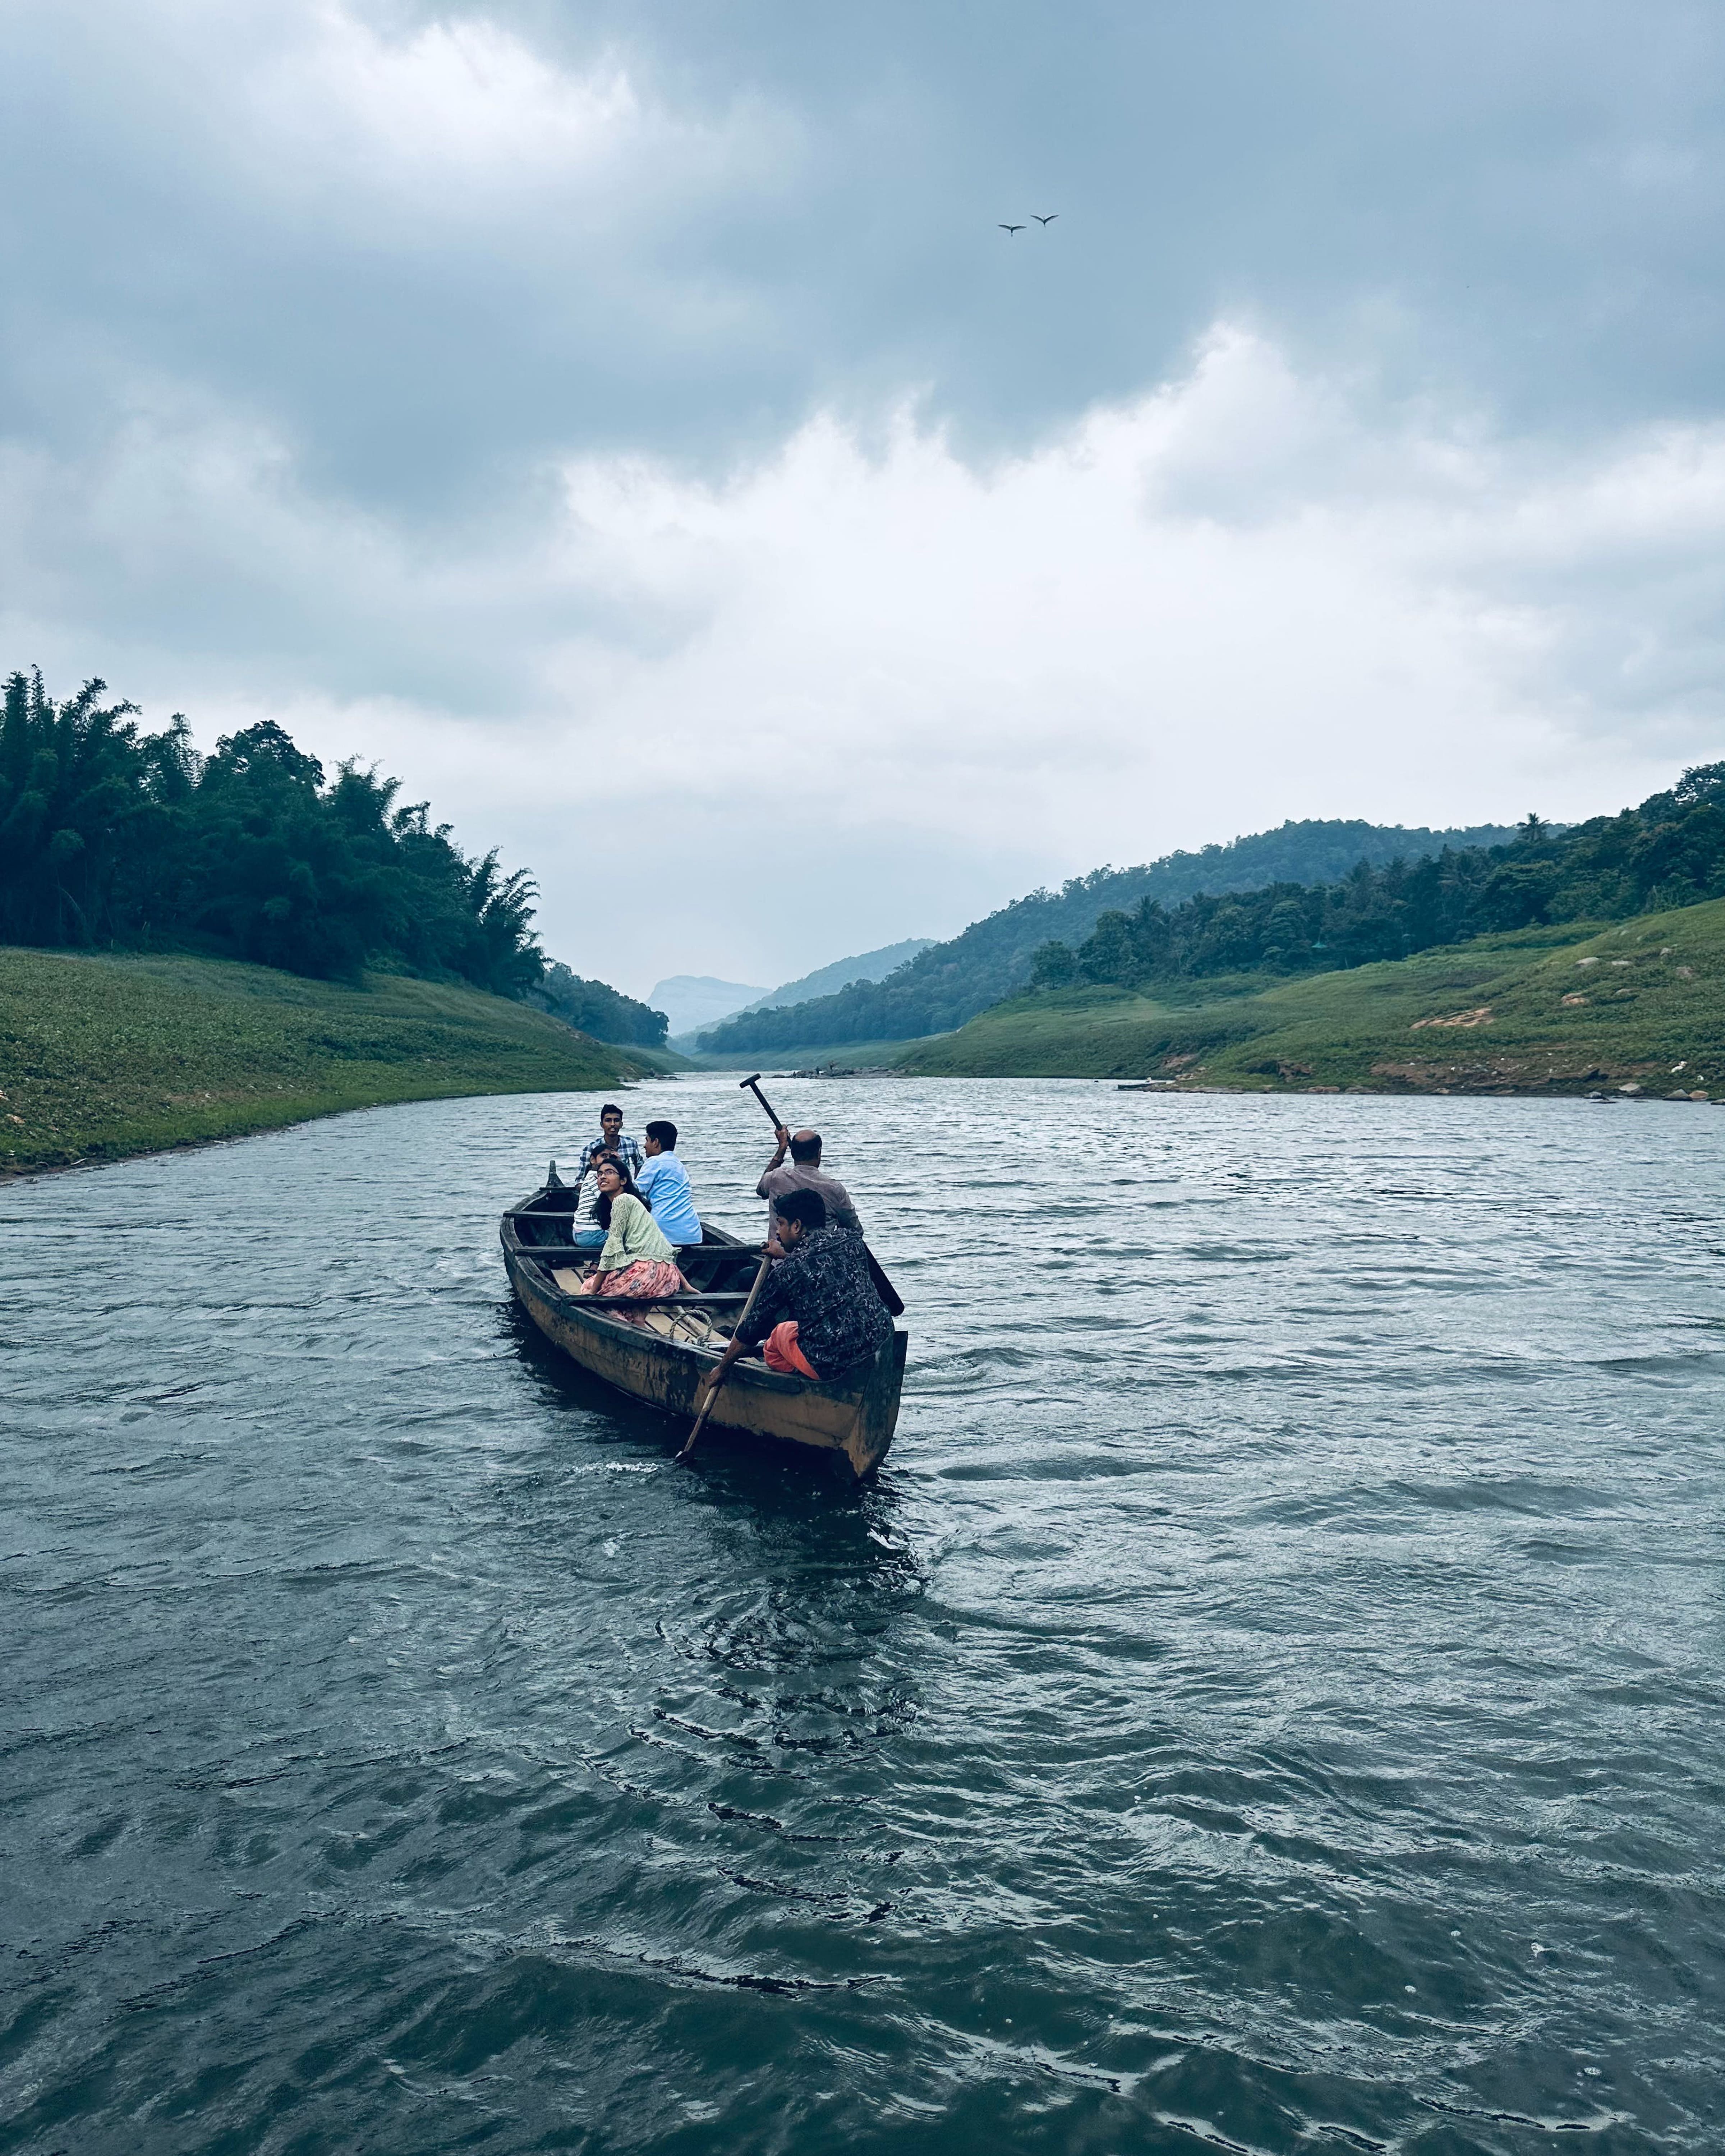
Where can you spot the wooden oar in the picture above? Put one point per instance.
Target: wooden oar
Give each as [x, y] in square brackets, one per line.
[884, 1288]
[753, 1086]
[714, 1391]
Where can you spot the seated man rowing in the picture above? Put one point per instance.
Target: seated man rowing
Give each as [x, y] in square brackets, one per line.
[818, 1311]
[804, 1174]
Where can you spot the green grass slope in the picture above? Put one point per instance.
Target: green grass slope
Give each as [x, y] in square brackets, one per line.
[101, 1057]
[949, 982]
[1565, 1010]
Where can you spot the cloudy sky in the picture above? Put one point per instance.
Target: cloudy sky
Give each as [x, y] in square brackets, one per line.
[628, 424]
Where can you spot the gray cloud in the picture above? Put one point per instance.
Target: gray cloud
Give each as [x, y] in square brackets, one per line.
[384, 232]
[341, 346]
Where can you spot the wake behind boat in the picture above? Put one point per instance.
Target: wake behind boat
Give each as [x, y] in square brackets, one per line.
[658, 1352]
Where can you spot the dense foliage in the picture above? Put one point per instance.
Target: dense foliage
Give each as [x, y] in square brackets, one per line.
[1669, 852]
[110, 835]
[949, 983]
[607, 1014]
[827, 980]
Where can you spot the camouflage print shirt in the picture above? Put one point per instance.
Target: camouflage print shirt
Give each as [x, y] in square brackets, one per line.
[825, 1285]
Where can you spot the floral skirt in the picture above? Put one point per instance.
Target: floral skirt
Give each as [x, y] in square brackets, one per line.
[646, 1276]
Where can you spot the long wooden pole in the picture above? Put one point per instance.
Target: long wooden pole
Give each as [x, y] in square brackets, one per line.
[753, 1086]
[884, 1288]
[714, 1391]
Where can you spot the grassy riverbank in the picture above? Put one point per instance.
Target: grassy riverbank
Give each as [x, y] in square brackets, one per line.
[1560, 1009]
[101, 1057]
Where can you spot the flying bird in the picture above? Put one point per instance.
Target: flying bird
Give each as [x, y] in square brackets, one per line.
[1045, 221]
[1013, 228]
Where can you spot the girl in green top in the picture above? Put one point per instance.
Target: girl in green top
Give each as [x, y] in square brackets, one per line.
[637, 1259]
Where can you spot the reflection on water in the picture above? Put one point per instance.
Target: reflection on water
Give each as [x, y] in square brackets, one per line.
[1268, 1700]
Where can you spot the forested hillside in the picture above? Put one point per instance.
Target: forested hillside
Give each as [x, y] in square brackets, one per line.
[949, 983]
[1669, 852]
[1637, 1009]
[110, 835]
[606, 1013]
[866, 966]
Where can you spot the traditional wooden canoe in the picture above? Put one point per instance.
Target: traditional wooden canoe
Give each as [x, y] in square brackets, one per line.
[662, 1360]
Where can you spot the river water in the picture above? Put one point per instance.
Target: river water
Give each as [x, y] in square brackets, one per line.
[1269, 1700]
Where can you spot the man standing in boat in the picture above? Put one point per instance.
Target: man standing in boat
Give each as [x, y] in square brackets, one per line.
[614, 1139]
[817, 1314]
[802, 1173]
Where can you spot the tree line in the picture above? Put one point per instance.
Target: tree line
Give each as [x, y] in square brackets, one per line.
[942, 985]
[1669, 852]
[110, 835]
[606, 1013]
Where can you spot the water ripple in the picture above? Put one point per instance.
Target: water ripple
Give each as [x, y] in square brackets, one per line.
[1267, 1702]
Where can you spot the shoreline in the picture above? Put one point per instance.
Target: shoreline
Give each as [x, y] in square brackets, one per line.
[1616, 1098]
[10, 1176]
[1573, 1009]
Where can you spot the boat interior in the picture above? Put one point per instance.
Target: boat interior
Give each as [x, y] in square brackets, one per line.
[719, 1268]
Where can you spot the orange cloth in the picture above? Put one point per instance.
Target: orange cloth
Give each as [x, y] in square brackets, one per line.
[781, 1353]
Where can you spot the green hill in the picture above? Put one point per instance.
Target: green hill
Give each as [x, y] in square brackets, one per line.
[596, 1008]
[1571, 1009]
[827, 980]
[101, 1057]
[949, 983]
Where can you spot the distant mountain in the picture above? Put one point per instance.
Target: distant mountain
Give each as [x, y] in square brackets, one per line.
[949, 983]
[692, 1000]
[1669, 852]
[870, 966]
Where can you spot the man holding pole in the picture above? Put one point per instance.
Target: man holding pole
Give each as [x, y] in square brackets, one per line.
[816, 1269]
[802, 1173]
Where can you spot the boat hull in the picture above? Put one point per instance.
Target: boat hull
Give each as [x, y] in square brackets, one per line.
[854, 1416]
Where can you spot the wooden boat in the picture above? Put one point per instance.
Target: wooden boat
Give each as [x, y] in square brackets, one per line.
[658, 1352]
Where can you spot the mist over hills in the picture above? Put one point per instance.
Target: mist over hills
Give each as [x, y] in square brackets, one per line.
[829, 980]
[690, 1001]
[687, 990]
[597, 1010]
[945, 983]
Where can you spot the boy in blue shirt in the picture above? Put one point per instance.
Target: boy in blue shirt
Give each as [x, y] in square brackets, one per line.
[664, 1185]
